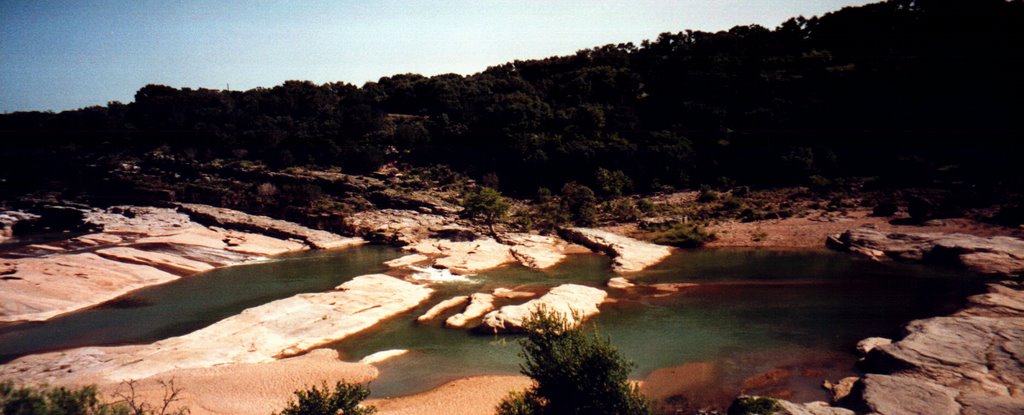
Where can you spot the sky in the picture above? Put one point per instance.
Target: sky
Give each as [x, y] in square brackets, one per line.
[59, 55]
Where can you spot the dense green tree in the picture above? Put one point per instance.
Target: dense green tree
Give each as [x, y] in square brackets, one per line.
[485, 203]
[575, 372]
[897, 89]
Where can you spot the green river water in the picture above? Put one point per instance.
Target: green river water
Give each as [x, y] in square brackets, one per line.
[795, 311]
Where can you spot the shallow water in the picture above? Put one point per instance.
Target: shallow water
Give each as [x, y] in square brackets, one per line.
[791, 316]
[755, 310]
[191, 303]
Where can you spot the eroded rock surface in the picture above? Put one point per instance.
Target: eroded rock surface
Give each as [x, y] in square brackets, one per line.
[441, 307]
[479, 304]
[36, 289]
[468, 257]
[265, 333]
[969, 363]
[997, 255]
[575, 302]
[628, 254]
[395, 225]
[233, 219]
[137, 247]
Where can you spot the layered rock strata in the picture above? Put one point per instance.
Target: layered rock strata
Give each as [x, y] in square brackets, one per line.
[233, 219]
[997, 255]
[137, 247]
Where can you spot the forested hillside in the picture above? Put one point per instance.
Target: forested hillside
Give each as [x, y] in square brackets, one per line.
[904, 90]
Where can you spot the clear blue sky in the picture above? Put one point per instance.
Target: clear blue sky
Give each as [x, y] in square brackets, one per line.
[57, 55]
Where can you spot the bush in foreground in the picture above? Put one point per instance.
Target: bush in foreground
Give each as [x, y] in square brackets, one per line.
[46, 400]
[575, 372]
[344, 399]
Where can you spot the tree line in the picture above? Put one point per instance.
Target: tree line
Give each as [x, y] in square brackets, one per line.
[907, 90]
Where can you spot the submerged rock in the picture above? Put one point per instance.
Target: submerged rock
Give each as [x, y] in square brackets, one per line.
[997, 255]
[628, 254]
[575, 302]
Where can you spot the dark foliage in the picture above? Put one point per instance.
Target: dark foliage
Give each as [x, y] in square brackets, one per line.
[344, 399]
[901, 89]
[576, 372]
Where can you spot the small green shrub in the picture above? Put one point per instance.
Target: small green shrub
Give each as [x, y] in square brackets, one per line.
[485, 203]
[23, 400]
[754, 405]
[684, 235]
[575, 373]
[344, 399]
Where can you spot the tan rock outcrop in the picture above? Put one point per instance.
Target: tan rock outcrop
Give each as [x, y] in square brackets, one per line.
[575, 302]
[467, 257]
[233, 219]
[170, 263]
[535, 251]
[997, 255]
[628, 254]
[969, 363]
[401, 226]
[441, 307]
[479, 304]
[406, 260]
[41, 288]
[275, 330]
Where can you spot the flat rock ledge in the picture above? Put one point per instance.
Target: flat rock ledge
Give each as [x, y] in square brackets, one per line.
[628, 254]
[276, 330]
[575, 302]
[971, 362]
[137, 247]
[234, 219]
[997, 255]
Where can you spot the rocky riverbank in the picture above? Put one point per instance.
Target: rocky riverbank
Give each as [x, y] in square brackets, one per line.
[135, 247]
[971, 362]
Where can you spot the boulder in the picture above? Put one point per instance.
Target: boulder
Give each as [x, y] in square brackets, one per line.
[628, 254]
[840, 390]
[575, 302]
[620, 283]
